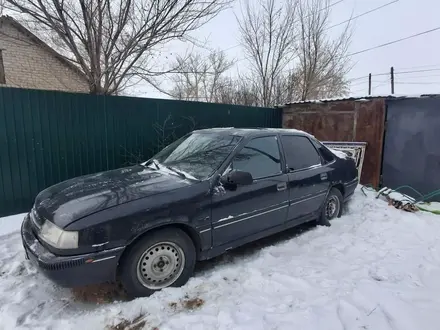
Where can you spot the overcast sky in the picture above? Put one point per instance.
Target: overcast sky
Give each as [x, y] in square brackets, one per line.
[398, 20]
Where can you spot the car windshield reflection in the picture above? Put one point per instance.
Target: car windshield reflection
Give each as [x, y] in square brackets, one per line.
[197, 155]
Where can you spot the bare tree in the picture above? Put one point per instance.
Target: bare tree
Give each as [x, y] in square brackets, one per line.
[285, 88]
[323, 61]
[292, 55]
[204, 79]
[268, 37]
[239, 91]
[113, 41]
[200, 78]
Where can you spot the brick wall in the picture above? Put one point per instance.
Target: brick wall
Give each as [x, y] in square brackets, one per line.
[28, 65]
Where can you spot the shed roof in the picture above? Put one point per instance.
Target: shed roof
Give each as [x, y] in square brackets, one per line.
[362, 98]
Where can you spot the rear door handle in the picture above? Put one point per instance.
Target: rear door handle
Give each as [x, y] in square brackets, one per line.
[281, 186]
[323, 176]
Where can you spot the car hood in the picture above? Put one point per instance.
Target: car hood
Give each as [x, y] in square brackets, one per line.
[73, 199]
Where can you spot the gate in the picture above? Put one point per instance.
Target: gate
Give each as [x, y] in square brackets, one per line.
[412, 145]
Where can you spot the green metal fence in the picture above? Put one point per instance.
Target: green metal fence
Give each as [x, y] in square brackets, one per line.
[47, 137]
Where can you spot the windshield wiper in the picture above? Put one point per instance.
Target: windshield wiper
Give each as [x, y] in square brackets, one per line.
[158, 165]
[154, 162]
[179, 173]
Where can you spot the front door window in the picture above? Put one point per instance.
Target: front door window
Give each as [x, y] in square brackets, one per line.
[260, 157]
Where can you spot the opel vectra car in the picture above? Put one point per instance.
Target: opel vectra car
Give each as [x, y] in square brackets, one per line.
[210, 191]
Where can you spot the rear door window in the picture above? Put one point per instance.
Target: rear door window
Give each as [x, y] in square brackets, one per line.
[299, 152]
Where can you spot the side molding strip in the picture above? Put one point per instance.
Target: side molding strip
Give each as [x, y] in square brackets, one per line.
[252, 216]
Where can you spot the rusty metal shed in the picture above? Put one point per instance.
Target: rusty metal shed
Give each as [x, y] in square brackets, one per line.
[354, 119]
[349, 119]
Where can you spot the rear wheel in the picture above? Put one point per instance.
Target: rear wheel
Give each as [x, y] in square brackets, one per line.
[161, 259]
[332, 207]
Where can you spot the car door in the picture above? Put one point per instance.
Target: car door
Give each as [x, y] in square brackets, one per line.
[308, 179]
[254, 208]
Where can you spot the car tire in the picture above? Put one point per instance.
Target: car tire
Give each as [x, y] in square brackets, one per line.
[332, 207]
[161, 259]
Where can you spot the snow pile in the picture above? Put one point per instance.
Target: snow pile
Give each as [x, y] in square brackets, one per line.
[429, 207]
[375, 268]
[395, 195]
[11, 224]
[406, 202]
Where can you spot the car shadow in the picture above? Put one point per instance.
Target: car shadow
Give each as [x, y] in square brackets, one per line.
[111, 292]
[252, 248]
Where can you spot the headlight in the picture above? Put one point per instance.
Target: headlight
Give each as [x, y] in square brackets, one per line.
[57, 237]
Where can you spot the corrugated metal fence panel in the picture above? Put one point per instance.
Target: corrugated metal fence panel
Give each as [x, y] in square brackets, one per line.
[47, 137]
[369, 125]
[412, 145]
[327, 121]
[347, 120]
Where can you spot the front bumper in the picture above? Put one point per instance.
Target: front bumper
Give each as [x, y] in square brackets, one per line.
[70, 271]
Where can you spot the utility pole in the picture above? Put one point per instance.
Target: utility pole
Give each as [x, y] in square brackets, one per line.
[392, 80]
[369, 84]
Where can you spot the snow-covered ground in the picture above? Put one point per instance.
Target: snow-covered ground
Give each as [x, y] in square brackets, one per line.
[375, 268]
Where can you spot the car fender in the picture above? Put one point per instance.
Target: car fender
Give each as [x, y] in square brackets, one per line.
[181, 222]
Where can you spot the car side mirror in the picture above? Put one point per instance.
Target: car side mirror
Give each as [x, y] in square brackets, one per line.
[235, 178]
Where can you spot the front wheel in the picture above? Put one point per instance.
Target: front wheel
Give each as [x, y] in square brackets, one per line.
[332, 207]
[161, 259]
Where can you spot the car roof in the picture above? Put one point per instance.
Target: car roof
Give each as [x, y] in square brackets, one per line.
[250, 132]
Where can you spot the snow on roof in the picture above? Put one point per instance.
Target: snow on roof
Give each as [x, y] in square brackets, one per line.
[361, 98]
[338, 153]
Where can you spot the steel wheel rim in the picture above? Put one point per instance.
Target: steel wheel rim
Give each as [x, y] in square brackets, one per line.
[160, 265]
[332, 207]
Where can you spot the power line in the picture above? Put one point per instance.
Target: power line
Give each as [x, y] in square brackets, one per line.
[365, 83]
[346, 21]
[373, 74]
[353, 18]
[387, 73]
[425, 76]
[357, 91]
[414, 71]
[420, 66]
[322, 9]
[363, 14]
[372, 88]
[360, 15]
[417, 83]
[394, 41]
[359, 83]
[375, 47]
[381, 84]
[383, 81]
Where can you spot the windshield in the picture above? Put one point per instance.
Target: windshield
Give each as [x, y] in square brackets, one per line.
[198, 154]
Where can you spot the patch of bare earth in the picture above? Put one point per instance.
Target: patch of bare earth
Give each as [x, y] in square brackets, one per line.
[187, 303]
[100, 293]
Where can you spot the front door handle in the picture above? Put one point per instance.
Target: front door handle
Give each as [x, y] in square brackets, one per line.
[281, 186]
[323, 176]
